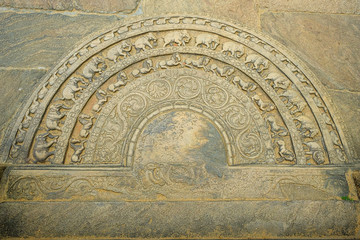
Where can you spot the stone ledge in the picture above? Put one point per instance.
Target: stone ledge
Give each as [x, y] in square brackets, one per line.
[235, 219]
[116, 183]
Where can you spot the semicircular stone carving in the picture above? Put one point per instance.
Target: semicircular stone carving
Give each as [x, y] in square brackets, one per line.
[188, 75]
[115, 134]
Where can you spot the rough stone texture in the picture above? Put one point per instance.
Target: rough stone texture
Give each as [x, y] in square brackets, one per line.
[326, 42]
[348, 106]
[318, 6]
[242, 11]
[329, 45]
[107, 6]
[356, 177]
[16, 85]
[233, 219]
[28, 52]
[49, 37]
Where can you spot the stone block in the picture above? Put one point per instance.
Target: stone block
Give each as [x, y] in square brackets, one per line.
[328, 43]
[107, 6]
[16, 86]
[82, 207]
[318, 6]
[28, 52]
[49, 37]
[243, 12]
[347, 104]
[180, 220]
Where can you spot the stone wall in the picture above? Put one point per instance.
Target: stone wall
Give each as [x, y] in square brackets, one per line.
[34, 35]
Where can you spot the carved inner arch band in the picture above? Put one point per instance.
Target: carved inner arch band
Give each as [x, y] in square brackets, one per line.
[93, 106]
[233, 114]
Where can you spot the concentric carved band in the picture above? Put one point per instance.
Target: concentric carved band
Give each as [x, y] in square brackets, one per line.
[174, 103]
[299, 100]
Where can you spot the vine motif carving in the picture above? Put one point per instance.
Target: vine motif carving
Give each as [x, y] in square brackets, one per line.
[237, 117]
[249, 144]
[31, 188]
[159, 89]
[188, 87]
[215, 96]
[175, 181]
[170, 174]
[133, 104]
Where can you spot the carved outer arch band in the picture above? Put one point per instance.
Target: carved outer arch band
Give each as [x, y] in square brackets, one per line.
[93, 51]
[300, 158]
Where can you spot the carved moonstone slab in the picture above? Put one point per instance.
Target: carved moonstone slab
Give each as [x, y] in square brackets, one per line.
[60, 121]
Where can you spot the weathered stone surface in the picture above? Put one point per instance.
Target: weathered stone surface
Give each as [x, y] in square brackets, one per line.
[328, 43]
[318, 6]
[49, 37]
[356, 177]
[241, 11]
[193, 219]
[331, 50]
[220, 95]
[16, 85]
[348, 104]
[183, 199]
[2, 169]
[107, 6]
[36, 48]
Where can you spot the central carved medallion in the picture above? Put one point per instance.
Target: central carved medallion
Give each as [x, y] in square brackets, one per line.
[180, 147]
[115, 135]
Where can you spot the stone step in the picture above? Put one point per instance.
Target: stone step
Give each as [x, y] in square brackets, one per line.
[181, 219]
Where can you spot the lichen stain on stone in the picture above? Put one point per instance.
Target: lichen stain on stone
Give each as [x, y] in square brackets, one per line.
[180, 137]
